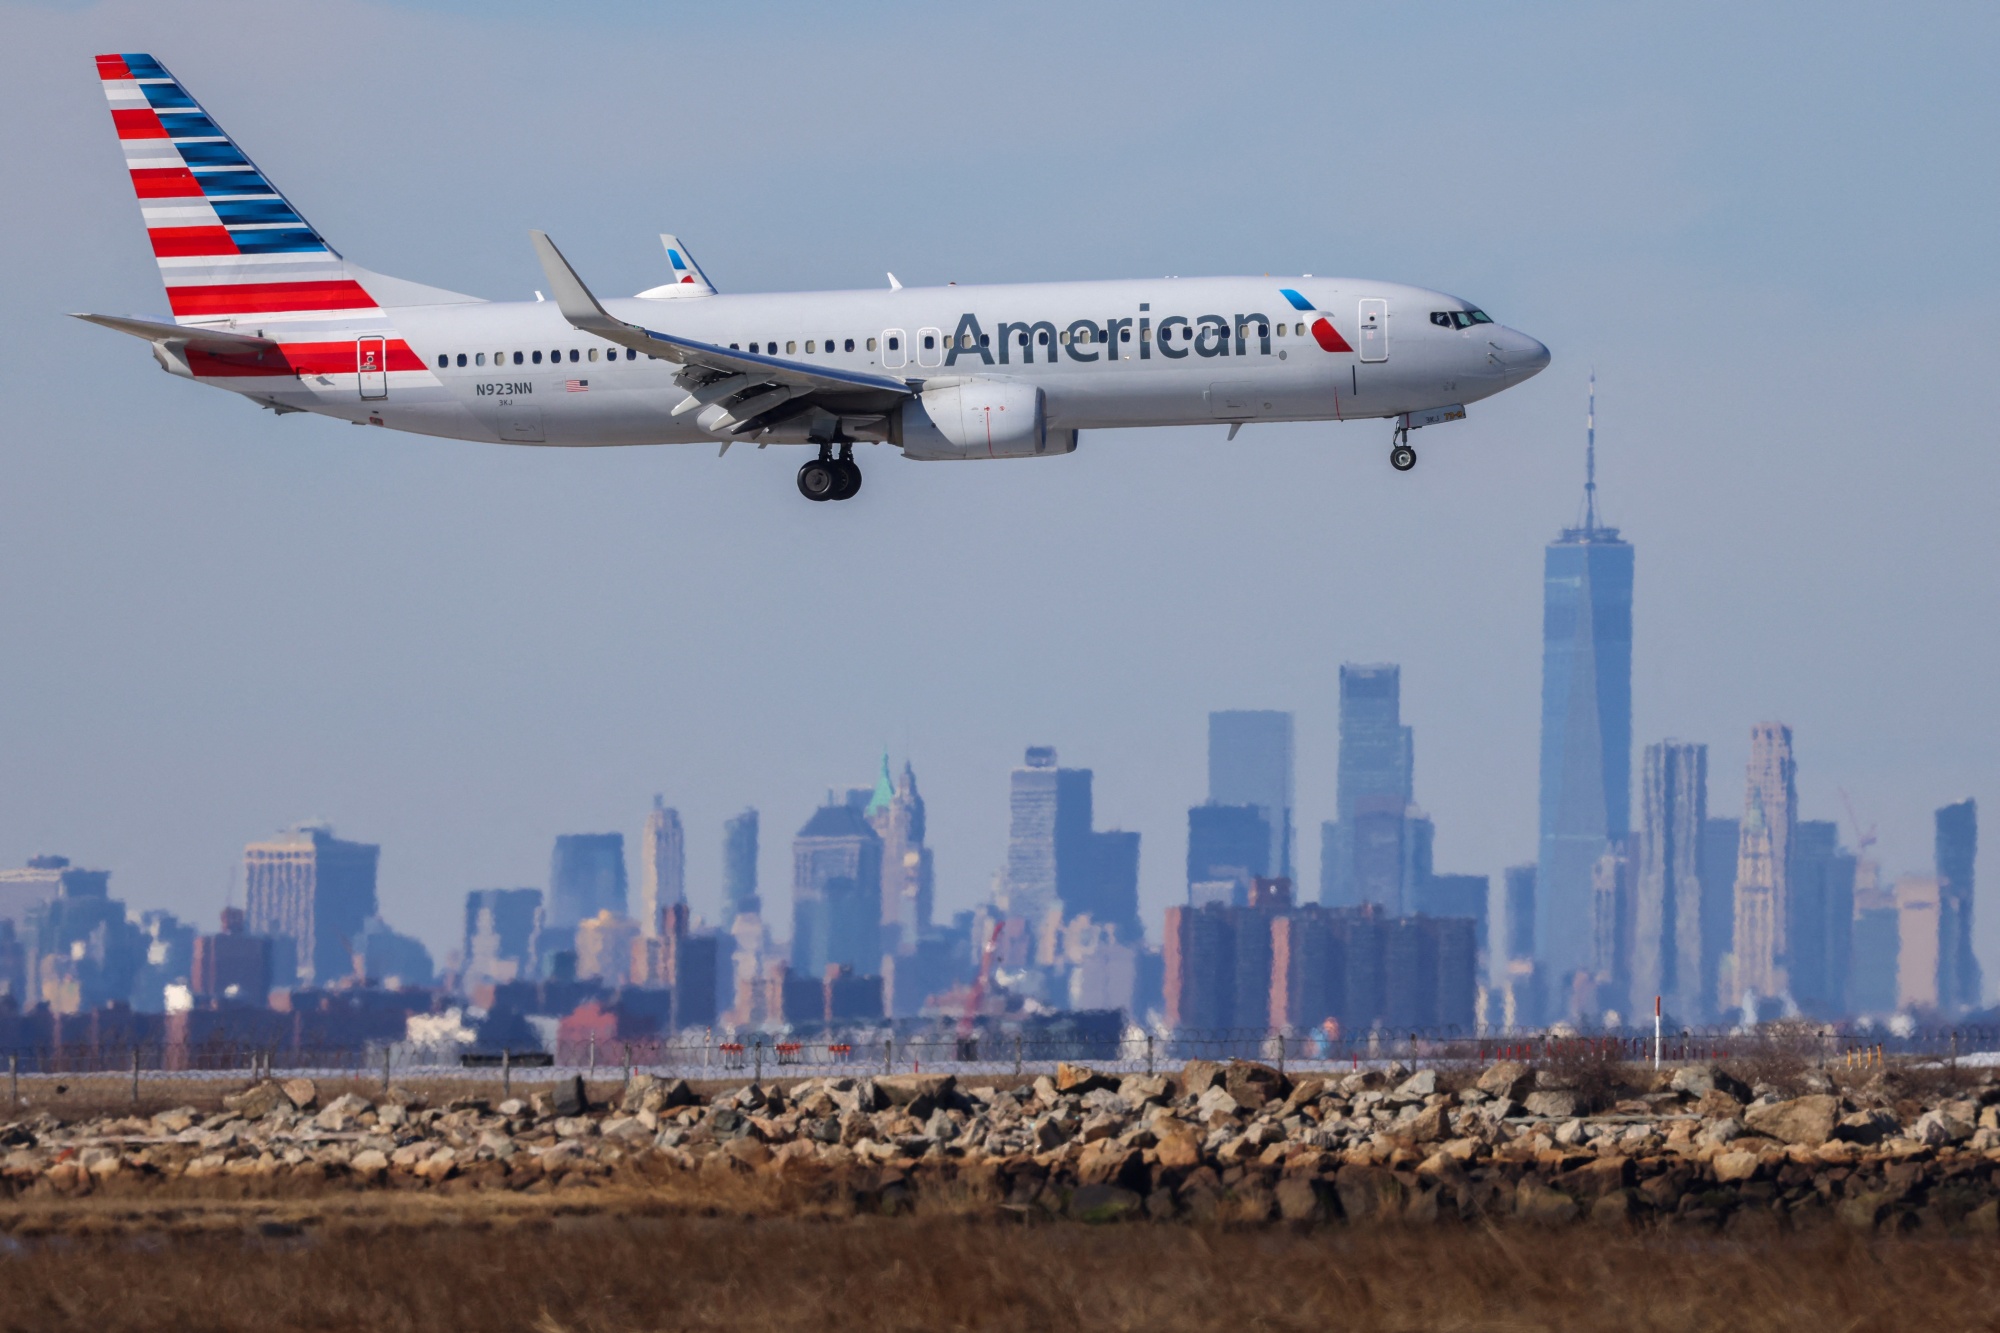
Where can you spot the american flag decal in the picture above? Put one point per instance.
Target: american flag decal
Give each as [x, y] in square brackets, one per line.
[577, 386]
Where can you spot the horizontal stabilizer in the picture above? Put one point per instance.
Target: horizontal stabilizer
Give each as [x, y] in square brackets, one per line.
[191, 335]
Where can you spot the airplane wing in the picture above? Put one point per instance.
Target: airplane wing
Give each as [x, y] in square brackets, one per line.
[757, 390]
[219, 341]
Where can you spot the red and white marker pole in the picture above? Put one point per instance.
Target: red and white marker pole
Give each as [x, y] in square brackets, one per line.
[1656, 1032]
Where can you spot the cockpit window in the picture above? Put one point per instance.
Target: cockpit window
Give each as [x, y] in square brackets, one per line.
[1459, 319]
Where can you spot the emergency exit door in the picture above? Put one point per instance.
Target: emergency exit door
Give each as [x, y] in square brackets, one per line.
[1374, 330]
[371, 365]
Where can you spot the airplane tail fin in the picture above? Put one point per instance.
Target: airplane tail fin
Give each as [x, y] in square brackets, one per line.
[230, 246]
[688, 281]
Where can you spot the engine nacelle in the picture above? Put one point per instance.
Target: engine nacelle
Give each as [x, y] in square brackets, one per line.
[978, 418]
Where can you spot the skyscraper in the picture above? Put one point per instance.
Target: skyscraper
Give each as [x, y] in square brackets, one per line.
[312, 891]
[837, 893]
[1586, 748]
[1250, 763]
[1957, 847]
[1667, 885]
[586, 876]
[739, 867]
[1917, 941]
[895, 810]
[1227, 843]
[1821, 928]
[499, 935]
[1377, 758]
[1054, 855]
[662, 866]
[1763, 868]
[1031, 836]
[1719, 842]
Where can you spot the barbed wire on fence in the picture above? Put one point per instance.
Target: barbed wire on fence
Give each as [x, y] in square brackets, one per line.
[707, 1056]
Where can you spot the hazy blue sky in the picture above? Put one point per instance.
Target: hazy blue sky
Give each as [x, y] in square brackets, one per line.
[1770, 228]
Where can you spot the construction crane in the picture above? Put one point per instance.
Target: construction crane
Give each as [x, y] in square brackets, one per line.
[1862, 841]
[978, 996]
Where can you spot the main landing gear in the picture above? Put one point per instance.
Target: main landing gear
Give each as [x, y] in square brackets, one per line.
[1401, 456]
[831, 478]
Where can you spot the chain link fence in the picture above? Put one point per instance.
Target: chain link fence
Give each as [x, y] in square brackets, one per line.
[151, 1074]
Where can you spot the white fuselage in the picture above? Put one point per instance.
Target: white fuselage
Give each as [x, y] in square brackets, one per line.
[1152, 352]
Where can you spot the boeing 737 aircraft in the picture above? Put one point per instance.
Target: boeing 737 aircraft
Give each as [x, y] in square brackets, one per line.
[264, 307]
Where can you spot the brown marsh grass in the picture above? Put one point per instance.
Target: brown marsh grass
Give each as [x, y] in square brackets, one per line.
[557, 1272]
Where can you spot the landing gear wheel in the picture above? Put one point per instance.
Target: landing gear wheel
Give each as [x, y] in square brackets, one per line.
[821, 480]
[850, 479]
[1402, 458]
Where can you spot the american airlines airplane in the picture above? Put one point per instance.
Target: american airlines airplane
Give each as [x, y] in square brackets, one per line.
[264, 307]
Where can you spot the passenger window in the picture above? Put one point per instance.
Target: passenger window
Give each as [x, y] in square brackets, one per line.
[572, 354]
[538, 357]
[771, 348]
[591, 355]
[517, 357]
[929, 342]
[895, 344]
[790, 347]
[810, 346]
[1021, 338]
[734, 348]
[1041, 338]
[479, 358]
[631, 354]
[850, 344]
[1125, 335]
[1263, 330]
[1281, 330]
[1300, 331]
[444, 359]
[1062, 337]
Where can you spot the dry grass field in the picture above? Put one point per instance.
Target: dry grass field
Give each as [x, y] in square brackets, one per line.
[425, 1263]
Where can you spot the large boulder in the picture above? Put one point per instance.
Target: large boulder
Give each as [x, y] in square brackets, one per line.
[1138, 1089]
[1199, 1076]
[1253, 1084]
[1937, 1129]
[568, 1097]
[917, 1094]
[257, 1102]
[1423, 1083]
[1507, 1078]
[1698, 1081]
[1867, 1127]
[1808, 1121]
[301, 1093]
[1081, 1079]
[1553, 1103]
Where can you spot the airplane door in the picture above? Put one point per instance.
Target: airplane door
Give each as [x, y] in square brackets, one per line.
[895, 349]
[371, 364]
[930, 347]
[1374, 330]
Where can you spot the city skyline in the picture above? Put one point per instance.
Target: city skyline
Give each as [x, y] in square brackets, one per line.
[237, 624]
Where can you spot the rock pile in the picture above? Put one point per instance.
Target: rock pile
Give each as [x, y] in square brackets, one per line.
[1237, 1141]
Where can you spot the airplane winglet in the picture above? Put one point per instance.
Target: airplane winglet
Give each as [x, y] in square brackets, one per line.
[894, 286]
[578, 306]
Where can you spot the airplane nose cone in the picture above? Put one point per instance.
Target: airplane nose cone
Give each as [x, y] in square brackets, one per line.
[1526, 357]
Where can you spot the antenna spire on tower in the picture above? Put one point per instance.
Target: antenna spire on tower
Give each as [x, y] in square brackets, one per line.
[1590, 459]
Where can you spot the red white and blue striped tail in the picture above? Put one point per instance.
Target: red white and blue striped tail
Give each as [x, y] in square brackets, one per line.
[228, 243]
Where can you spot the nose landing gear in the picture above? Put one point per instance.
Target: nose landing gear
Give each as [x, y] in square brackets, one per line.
[831, 478]
[1401, 456]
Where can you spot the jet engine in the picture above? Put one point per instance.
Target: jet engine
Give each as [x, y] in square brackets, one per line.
[978, 418]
